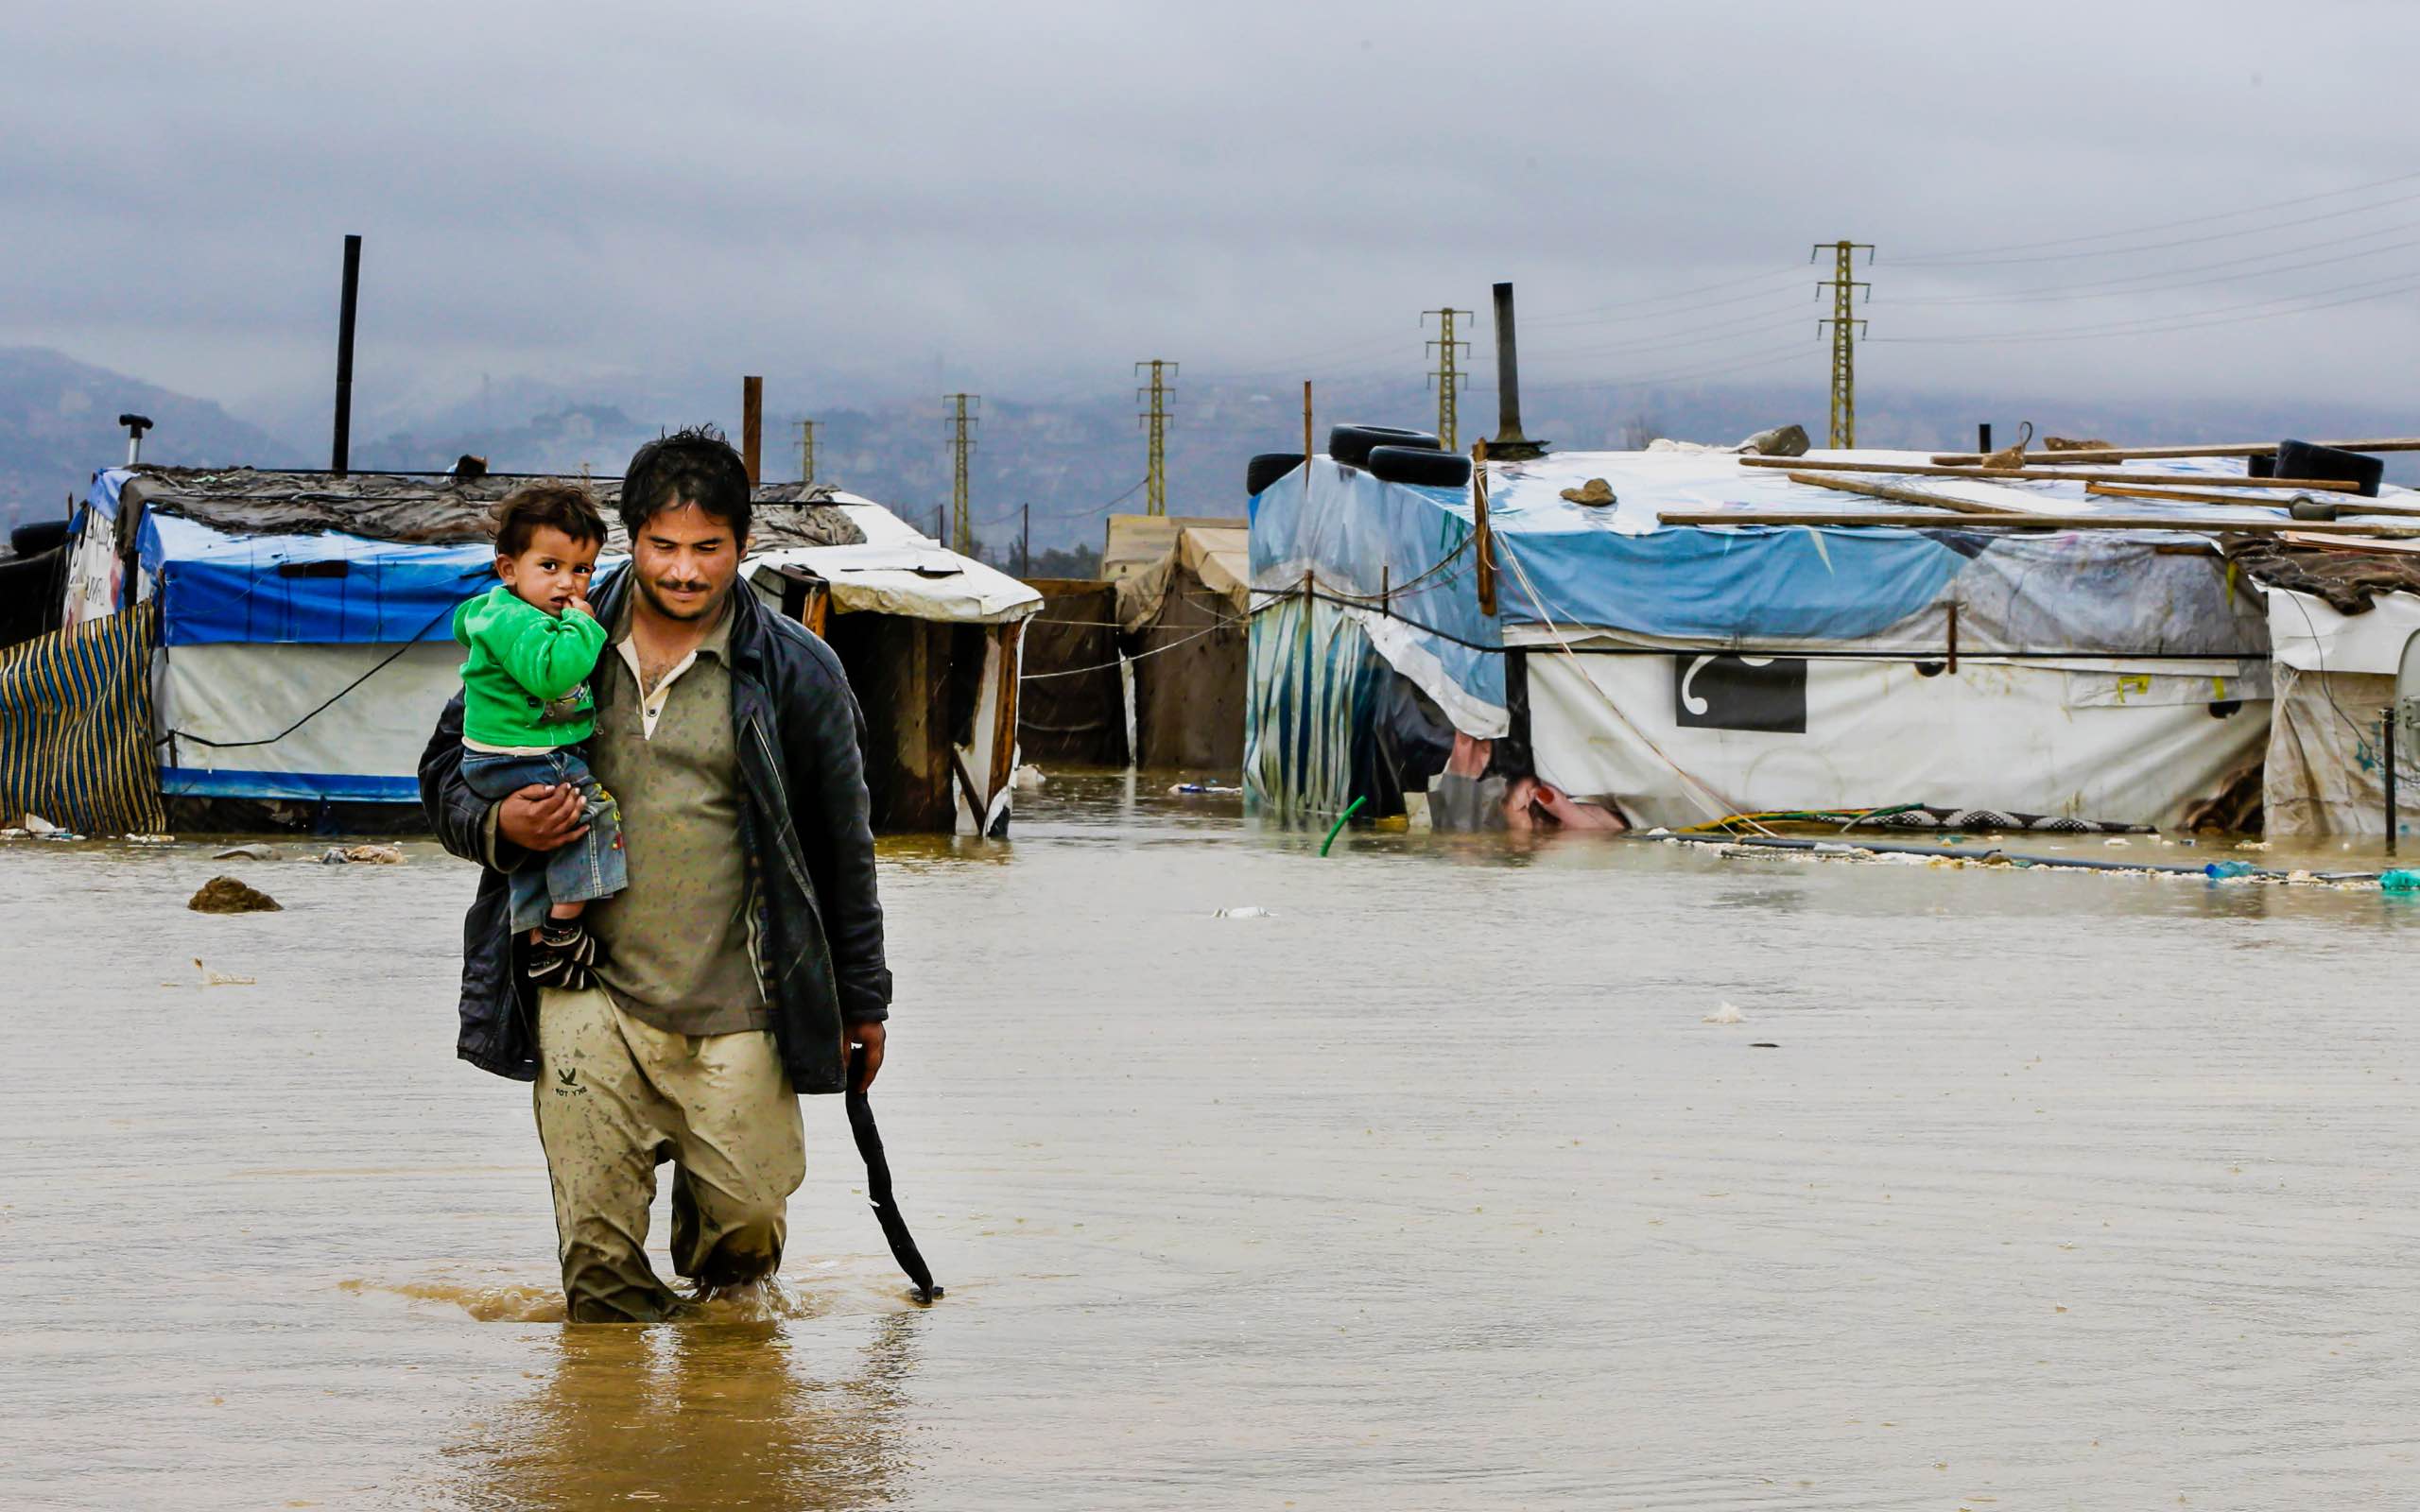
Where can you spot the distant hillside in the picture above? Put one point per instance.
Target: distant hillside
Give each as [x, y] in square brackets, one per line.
[58, 424]
[1073, 459]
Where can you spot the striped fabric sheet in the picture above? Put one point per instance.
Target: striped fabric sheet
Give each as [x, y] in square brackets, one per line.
[76, 727]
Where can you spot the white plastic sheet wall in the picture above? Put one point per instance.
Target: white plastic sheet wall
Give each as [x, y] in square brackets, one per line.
[2125, 746]
[366, 745]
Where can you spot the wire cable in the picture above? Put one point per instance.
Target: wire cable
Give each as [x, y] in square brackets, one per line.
[1976, 256]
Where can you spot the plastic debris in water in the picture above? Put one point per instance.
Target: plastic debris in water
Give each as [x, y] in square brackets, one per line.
[211, 978]
[2399, 880]
[2226, 870]
[1725, 1014]
[1246, 913]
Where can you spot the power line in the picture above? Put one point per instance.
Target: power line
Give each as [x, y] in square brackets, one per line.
[1578, 317]
[1794, 354]
[2152, 285]
[2154, 325]
[1946, 260]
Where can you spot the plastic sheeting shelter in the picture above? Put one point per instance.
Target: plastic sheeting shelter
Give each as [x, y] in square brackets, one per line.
[297, 659]
[1071, 704]
[1184, 619]
[2325, 773]
[932, 643]
[288, 666]
[1680, 675]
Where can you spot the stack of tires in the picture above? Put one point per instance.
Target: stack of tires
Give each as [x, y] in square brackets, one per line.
[32, 580]
[1385, 451]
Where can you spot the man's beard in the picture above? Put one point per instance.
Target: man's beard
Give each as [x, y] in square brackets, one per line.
[711, 606]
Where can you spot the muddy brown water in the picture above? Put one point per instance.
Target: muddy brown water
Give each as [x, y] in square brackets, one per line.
[1432, 1188]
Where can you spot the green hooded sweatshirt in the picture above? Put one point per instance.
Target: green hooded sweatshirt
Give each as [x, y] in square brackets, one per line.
[527, 680]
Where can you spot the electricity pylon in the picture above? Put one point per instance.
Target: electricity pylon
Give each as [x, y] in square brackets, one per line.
[1843, 289]
[1448, 377]
[807, 451]
[1155, 459]
[961, 521]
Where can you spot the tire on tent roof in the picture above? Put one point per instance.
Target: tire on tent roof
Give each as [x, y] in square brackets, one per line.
[33, 540]
[1267, 468]
[1422, 465]
[2328, 464]
[1350, 444]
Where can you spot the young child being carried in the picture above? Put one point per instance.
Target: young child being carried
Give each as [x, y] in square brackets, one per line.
[527, 709]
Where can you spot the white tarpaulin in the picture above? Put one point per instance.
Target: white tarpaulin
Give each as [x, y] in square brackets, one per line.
[1682, 738]
[2335, 678]
[365, 747]
[897, 570]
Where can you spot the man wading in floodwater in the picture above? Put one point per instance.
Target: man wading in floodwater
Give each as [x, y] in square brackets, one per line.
[745, 956]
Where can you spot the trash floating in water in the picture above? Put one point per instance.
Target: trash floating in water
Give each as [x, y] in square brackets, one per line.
[2117, 841]
[226, 895]
[245, 852]
[151, 840]
[36, 825]
[376, 855]
[211, 978]
[1246, 913]
[2228, 870]
[1725, 1014]
[1026, 779]
[2399, 880]
[1193, 789]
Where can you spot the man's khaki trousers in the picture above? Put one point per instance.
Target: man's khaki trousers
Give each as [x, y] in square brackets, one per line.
[615, 1095]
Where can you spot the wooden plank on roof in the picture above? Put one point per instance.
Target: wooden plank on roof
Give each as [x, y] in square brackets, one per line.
[2036, 475]
[2020, 522]
[2123, 454]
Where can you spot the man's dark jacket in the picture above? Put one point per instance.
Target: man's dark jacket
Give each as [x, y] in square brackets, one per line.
[810, 848]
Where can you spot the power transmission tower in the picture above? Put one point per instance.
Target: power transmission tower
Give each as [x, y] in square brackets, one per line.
[1449, 378]
[1155, 474]
[962, 522]
[807, 451]
[1845, 329]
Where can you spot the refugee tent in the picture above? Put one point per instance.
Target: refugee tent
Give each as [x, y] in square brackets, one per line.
[1138, 543]
[1184, 620]
[2339, 618]
[1072, 709]
[304, 639]
[1676, 674]
[931, 642]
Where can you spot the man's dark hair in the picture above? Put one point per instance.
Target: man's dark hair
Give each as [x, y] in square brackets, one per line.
[567, 506]
[694, 467]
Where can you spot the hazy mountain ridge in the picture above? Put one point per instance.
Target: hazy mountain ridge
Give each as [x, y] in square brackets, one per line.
[58, 424]
[1072, 460]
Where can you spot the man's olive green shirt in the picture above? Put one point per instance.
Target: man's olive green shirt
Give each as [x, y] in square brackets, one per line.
[679, 940]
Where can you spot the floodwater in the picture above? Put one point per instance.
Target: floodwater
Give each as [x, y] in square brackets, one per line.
[1431, 1188]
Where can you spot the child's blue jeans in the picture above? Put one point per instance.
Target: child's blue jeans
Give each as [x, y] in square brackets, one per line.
[589, 868]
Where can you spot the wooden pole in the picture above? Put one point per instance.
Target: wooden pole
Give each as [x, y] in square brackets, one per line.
[752, 428]
[1486, 546]
[2113, 490]
[2024, 521]
[1897, 495]
[1307, 453]
[2040, 474]
[2124, 453]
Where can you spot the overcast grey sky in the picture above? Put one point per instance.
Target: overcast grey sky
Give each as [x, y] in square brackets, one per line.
[847, 198]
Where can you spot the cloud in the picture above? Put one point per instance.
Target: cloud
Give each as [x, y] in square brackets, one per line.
[861, 201]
